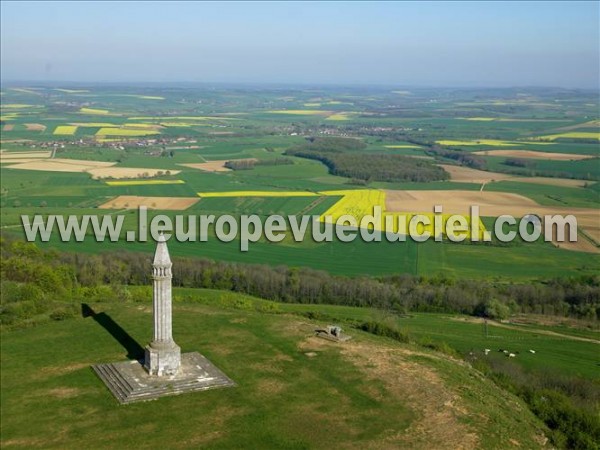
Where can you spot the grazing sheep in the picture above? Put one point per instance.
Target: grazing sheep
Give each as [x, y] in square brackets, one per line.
[511, 355]
[486, 351]
[532, 351]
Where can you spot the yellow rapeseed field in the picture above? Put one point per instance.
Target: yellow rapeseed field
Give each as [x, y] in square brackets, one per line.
[339, 116]
[302, 112]
[65, 130]
[103, 140]
[402, 226]
[183, 124]
[100, 112]
[26, 90]
[360, 203]
[591, 123]
[572, 135]
[144, 97]
[72, 91]
[403, 146]
[357, 203]
[124, 132]
[16, 106]
[143, 182]
[509, 119]
[95, 124]
[139, 125]
[183, 118]
[490, 142]
[494, 142]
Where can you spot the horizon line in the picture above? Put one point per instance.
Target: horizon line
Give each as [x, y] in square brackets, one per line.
[294, 84]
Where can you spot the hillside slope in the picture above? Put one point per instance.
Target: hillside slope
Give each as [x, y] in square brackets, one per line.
[294, 390]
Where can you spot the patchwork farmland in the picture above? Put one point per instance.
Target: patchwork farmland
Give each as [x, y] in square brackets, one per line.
[116, 150]
[91, 150]
[305, 225]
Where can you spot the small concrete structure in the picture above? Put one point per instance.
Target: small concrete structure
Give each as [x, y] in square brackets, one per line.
[164, 371]
[333, 333]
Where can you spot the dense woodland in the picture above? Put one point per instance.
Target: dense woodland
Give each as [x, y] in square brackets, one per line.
[33, 280]
[341, 158]
[461, 157]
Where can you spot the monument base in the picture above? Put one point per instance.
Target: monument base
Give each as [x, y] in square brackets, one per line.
[130, 382]
[162, 360]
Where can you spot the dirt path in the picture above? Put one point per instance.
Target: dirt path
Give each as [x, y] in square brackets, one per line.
[520, 328]
[438, 425]
[547, 333]
[438, 409]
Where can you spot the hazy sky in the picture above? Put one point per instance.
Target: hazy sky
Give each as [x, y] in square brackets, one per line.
[403, 43]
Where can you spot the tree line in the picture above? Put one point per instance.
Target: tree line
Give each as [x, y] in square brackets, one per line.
[463, 158]
[38, 278]
[513, 166]
[341, 157]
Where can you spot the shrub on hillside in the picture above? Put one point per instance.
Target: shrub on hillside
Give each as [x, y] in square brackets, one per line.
[492, 309]
[383, 329]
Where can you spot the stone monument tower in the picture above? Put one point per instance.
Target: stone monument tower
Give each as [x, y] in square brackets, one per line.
[163, 355]
[165, 370]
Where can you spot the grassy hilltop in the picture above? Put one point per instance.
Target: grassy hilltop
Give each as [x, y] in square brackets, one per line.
[293, 390]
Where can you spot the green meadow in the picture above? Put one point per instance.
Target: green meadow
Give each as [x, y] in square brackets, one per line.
[289, 393]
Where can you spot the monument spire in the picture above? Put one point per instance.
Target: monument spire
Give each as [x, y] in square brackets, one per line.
[165, 371]
[163, 356]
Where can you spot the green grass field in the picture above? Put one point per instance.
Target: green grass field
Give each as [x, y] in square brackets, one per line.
[565, 350]
[516, 262]
[293, 391]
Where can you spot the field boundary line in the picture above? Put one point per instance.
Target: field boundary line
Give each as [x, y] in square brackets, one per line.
[546, 332]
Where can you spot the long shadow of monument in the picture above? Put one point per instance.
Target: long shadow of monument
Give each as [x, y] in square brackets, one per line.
[134, 350]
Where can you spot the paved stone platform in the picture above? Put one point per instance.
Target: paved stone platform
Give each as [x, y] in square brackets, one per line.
[129, 382]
